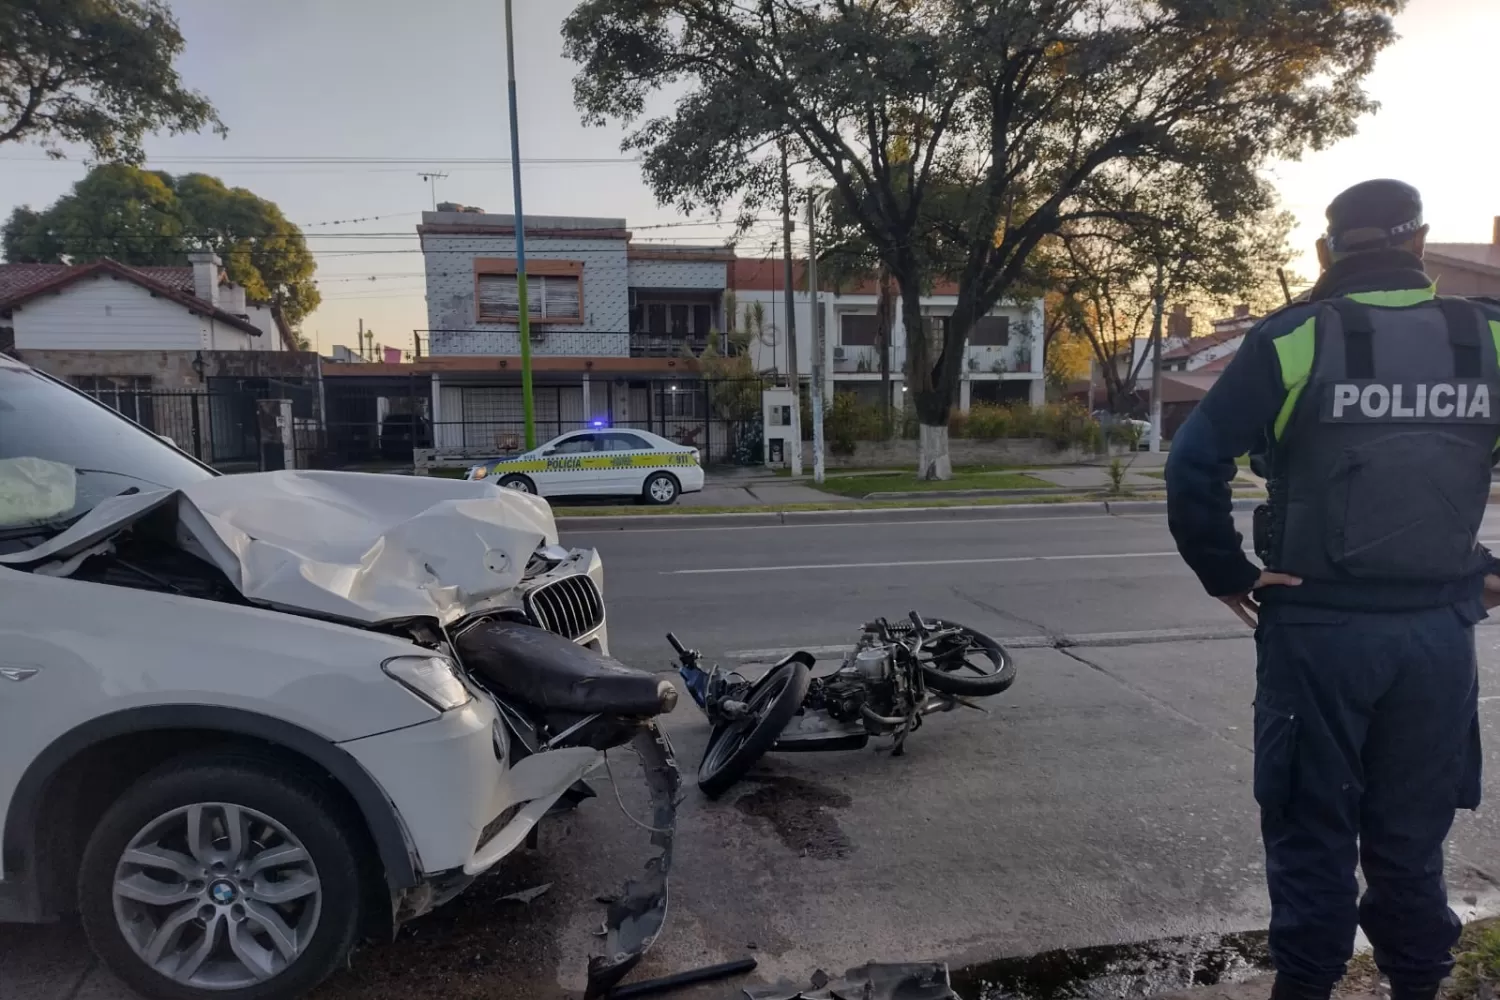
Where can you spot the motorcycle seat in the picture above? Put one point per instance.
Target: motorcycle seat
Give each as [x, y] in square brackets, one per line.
[549, 672]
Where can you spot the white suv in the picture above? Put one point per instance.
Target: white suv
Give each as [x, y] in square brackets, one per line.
[246, 721]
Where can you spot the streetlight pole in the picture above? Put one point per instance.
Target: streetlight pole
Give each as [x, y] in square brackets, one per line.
[527, 407]
[787, 227]
[819, 344]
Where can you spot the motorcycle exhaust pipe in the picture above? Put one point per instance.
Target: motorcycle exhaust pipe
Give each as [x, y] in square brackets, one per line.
[883, 721]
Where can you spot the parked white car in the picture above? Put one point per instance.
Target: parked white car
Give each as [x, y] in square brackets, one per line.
[602, 462]
[246, 721]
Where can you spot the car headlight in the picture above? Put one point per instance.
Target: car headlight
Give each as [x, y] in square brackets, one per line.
[434, 679]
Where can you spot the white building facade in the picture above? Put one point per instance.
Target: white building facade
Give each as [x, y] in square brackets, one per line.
[1003, 359]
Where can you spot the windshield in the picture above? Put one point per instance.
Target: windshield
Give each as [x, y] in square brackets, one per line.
[61, 453]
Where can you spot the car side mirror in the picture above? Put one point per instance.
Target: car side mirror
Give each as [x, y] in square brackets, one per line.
[549, 451]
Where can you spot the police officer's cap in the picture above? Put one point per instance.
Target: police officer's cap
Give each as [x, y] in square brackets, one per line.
[1374, 215]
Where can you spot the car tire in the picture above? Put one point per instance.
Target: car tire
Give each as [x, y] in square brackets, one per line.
[661, 489]
[272, 872]
[519, 483]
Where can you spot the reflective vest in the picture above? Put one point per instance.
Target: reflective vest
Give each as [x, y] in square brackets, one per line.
[1380, 467]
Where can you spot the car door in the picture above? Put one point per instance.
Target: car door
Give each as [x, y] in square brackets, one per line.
[632, 456]
[569, 467]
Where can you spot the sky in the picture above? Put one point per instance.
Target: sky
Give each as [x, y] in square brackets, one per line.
[406, 87]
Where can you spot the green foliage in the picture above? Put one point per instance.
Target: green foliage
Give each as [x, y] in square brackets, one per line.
[144, 217]
[1064, 424]
[1116, 476]
[734, 389]
[960, 136]
[849, 421]
[94, 72]
[1476, 969]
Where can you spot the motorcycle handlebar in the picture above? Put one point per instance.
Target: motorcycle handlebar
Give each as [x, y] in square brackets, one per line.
[679, 647]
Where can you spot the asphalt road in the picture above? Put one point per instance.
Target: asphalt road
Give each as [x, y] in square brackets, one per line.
[736, 589]
[1105, 798]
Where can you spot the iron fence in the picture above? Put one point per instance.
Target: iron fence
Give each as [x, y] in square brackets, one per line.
[377, 422]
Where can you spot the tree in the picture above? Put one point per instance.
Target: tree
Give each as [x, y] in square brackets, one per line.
[144, 217]
[1010, 117]
[1174, 244]
[94, 72]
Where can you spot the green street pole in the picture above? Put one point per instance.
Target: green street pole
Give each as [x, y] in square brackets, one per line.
[527, 405]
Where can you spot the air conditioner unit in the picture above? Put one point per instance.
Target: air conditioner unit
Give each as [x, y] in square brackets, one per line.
[838, 354]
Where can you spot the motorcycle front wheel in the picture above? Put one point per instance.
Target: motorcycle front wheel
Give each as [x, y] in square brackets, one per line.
[965, 662]
[734, 747]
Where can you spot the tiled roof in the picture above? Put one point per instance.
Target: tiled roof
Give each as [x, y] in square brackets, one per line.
[18, 278]
[1198, 344]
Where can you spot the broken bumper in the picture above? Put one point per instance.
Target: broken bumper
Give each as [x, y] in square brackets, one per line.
[636, 917]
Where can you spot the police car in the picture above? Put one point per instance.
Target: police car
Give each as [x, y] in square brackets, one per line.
[601, 462]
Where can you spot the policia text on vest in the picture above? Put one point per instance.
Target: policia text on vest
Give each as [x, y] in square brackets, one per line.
[1408, 401]
[1380, 469]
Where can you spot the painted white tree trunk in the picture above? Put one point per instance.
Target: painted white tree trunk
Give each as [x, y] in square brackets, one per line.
[932, 453]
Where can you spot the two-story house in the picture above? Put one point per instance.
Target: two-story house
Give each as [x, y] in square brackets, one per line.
[1003, 360]
[616, 327]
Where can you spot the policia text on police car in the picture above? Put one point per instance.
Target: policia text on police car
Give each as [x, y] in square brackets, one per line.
[1372, 407]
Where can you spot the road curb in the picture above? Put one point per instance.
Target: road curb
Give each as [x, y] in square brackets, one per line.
[751, 519]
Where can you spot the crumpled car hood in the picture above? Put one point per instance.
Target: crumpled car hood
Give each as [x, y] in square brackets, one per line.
[348, 545]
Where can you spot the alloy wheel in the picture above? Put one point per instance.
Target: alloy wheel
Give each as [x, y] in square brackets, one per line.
[217, 896]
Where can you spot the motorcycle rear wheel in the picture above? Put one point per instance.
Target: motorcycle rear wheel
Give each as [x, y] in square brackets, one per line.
[970, 663]
[734, 747]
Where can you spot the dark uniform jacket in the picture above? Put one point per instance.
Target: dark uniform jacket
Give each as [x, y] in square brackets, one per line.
[1239, 416]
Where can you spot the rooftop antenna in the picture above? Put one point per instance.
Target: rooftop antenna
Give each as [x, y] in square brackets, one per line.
[432, 179]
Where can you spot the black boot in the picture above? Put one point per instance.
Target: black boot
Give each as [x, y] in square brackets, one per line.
[1414, 992]
[1286, 988]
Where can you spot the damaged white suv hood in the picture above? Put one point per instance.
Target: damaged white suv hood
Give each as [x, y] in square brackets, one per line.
[349, 545]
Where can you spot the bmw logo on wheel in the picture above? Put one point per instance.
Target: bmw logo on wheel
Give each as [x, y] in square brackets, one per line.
[223, 893]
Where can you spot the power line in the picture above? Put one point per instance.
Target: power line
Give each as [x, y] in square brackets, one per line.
[318, 160]
[368, 218]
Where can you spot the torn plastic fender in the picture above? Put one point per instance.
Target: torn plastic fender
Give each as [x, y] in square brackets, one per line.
[636, 918]
[876, 981]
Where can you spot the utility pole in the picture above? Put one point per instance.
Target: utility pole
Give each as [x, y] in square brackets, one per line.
[432, 179]
[791, 312]
[1161, 305]
[528, 408]
[818, 334]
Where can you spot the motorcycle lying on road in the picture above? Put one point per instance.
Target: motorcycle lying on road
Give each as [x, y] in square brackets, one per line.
[896, 674]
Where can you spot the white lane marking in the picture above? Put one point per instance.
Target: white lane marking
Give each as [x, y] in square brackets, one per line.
[863, 524]
[917, 562]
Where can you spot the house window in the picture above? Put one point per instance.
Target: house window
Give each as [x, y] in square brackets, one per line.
[990, 331]
[858, 330]
[549, 297]
[684, 403]
[128, 394]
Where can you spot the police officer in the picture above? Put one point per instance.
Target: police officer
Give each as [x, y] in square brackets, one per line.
[1373, 410]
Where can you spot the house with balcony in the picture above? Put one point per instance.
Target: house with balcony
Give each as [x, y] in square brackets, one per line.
[1003, 358]
[616, 327]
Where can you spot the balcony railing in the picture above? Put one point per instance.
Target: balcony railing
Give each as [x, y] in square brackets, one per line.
[671, 345]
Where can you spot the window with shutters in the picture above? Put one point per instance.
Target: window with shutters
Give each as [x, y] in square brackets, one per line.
[554, 291]
[990, 331]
